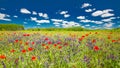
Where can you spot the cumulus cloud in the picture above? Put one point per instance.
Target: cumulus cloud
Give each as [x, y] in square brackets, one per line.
[81, 17]
[56, 20]
[108, 19]
[87, 25]
[103, 13]
[44, 15]
[108, 25]
[65, 14]
[86, 5]
[66, 24]
[39, 21]
[4, 17]
[34, 13]
[90, 10]
[91, 21]
[2, 9]
[15, 16]
[25, 11]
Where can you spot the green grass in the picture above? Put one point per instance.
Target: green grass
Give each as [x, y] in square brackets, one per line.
[77, 54]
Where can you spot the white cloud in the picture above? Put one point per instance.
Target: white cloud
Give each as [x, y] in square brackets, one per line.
[103, 13]
[39, 21]
[15, 16]
[56, 23]
[25, 22]
[2, 9]
[107, 15]
[108, 19]
[38, 24]
[81, 17]
[91, 21]
[108, 25]
[87, 25]
[90, 10]
[56, 20]
[4, 17]
[86, 5]
[63, 12]
[66, 24]
[66, 15]
[34, 13]
[25, 11]
[44, 15]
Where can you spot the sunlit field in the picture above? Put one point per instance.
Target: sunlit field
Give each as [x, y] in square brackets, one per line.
[59, 49]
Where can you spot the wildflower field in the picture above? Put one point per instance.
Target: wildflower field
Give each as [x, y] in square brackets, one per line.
[59, 49]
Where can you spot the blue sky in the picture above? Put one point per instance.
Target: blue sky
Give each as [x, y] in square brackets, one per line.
[93, 14]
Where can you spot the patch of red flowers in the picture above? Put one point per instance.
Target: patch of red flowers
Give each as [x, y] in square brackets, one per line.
[43, 44]
[2, 57]
[47, 47]
[46, 39]
[33, 58]
[96, 48]
[23, 51]
[59, 47]
[33, 43]
[16, 40]
[93, 41]
[55, 45]
[113, 41]
[12, 51]
[30, 49]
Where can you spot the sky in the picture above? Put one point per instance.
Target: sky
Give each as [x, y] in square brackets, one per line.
[92, 14]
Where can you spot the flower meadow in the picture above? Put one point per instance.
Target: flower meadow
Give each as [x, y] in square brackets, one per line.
[59, 49]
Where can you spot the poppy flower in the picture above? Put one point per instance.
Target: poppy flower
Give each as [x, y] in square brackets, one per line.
[46, 39]
[16, 40]
[2, 57]
[58, 42]
[80, 39]
[26, 43]
[30, 49]
[108, 37]
[86, 34]
[28, 34]
[24, 34]
[59, 47]
[47, 47]
[49, 42]
[113, 41]
[93, 41]
[33, 43]
[43, 44]
[23, 51]
[33, 58]
[12, 50]
[96, 48]
[65, 44]
[83, 36]
[96, 32]
[55, 45]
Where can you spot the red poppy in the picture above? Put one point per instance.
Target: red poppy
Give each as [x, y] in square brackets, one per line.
[108, 37]
[65, 44]
[33, 58]
[58, 42]
[55, 45]
[83, 36]
[46, 39]
[24, 34]
[59, 47]
[16, 40]
[28, 34]
[49, 42]
[43, 44]
[87, 34]
[26, 43]
[80, 39]
[30, 49]
[12, 50]
[93, 41]
[33, 43]
[23, 51]
[47, 47]
[96, 48]
[96, 32]
[113, 41]
[2, 57]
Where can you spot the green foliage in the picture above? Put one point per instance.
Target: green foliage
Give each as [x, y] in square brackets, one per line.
[59, 29]
[11, 27]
